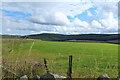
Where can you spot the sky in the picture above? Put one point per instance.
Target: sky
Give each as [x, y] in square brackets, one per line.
[25, 18]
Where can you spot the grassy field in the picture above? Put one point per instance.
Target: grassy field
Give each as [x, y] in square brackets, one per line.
[90, 60]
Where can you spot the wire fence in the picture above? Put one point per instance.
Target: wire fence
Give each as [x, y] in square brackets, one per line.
[11, 67]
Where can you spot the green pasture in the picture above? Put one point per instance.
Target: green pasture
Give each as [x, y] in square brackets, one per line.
[89, 59]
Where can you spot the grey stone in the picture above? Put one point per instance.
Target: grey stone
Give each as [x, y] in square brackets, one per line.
[118, 78]
[50, 76]
[47, 76]
[24, 77]
[58, 77]
[38, 77]
[103, 77]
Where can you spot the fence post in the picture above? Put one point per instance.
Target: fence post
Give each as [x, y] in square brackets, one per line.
[70, 67]
[45, 63]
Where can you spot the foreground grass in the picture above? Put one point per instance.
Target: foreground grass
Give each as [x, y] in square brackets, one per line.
[89, 59]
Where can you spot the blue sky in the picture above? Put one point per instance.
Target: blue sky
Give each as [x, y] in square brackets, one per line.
[22, 15]
[84, 16]
[15, 14]
[63, 18]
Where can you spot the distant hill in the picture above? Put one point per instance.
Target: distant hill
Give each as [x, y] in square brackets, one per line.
[60, 37]
[109, 38]
[10, 36]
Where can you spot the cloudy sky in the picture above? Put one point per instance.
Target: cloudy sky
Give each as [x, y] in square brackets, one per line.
[24, 18]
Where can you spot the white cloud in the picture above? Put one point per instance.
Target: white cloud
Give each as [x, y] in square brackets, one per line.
[33, 32]
[96, 24]
[37, 8]
[103, 9]
[8, 30]
[56, 18]
[78, 22]
[110, 22]
[89, 13]
[52, 17]
[59, 0]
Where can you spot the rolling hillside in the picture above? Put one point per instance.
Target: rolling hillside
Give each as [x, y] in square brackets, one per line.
[109, 38]
[10, 36]
[104, 38]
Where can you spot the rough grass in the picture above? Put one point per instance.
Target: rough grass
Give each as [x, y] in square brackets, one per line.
[89, 59]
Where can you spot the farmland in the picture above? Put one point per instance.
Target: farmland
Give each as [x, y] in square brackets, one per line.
[90, 60]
